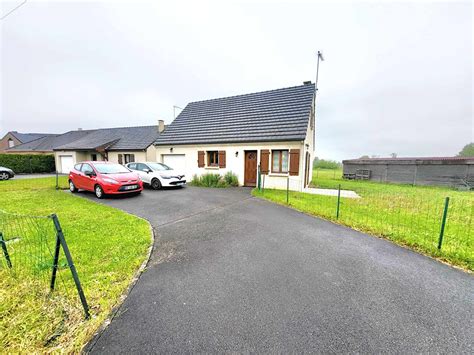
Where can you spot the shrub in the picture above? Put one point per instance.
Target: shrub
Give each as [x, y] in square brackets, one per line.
[215, 180]
[28, 163]
[210, 180]
[231, 179]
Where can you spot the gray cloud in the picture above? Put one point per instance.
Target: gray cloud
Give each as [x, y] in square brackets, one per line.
[397, 76]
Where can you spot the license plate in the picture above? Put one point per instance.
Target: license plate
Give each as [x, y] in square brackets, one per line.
[130, 187]
[180, 183]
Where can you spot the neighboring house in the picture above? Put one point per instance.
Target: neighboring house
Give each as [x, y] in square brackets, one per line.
[14, 138]
[46, 145]
[121, 145]
[271, 129]
[442, 171]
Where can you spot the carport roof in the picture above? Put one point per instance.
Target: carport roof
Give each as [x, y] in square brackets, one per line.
[275, 115]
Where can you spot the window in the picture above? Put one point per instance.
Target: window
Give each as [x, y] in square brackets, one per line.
[11, 143]
[110, 168]
[78, 166]
[129, 158]
[86, 168]
[213, 158]
[279, 161]
[159, 166]
[132, 166]
[94, 157]
[142, 167]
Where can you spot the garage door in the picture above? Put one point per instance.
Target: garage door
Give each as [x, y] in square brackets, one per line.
[67, 163]
[175, 161]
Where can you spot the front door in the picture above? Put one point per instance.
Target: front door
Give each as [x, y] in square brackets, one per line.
[250, 178]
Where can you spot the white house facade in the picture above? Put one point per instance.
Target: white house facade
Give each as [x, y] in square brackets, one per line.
[271, 132]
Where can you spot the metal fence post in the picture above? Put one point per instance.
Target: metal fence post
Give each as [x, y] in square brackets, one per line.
[287, 189]
[75, 276]
[443, 222]
[259, 176]
[5, 250]
[338, 200]
[263, 184]
[57, 180]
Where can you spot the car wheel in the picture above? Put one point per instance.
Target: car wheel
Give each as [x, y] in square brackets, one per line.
[4, 176]
[156, 184]
[99, 192]
[72, 187]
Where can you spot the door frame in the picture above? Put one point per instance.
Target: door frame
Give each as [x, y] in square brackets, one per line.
[306, 171]
[245, 167]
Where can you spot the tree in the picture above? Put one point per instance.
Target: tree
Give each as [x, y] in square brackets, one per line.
[393, 155]
[467, 151]
[364, 157]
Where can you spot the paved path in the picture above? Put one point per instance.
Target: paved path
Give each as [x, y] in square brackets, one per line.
[331, 192]
[235, 273]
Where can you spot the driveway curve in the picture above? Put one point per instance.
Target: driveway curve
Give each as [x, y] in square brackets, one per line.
[234, 273]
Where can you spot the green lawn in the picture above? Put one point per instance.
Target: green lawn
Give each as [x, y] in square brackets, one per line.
[408, 215]
[107, 246]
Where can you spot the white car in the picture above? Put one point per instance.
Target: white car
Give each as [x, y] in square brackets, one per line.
[157, 175]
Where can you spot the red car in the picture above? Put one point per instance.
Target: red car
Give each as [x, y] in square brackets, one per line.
[104, 178]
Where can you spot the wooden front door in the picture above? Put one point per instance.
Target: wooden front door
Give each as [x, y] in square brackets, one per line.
[250, 178]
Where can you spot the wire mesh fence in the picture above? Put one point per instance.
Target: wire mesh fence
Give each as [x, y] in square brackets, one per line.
[411, 217]
[34, 255]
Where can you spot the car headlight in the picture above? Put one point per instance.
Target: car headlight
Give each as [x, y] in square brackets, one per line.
[165, 176]
[111, 181]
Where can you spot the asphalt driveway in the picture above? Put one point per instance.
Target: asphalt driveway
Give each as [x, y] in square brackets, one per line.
[234, 273]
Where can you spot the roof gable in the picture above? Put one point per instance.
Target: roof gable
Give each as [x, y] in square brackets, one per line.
[276, 115]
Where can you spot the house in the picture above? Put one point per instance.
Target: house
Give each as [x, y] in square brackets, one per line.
[442, 171]
[121, 145]
[14, 138]
[271, 130]
[46, 144]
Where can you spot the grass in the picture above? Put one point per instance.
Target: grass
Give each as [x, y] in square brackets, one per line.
[408, 215]
[107, 246]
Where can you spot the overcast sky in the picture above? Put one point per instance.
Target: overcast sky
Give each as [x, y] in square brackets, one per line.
[397, 77]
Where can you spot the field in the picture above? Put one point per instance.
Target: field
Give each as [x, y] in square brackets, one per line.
[107, 247]
[408, 215]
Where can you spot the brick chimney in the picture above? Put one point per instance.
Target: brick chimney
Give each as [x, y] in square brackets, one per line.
[161, 126]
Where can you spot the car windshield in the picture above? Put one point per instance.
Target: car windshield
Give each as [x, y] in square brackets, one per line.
[110, 168]
[159, 166]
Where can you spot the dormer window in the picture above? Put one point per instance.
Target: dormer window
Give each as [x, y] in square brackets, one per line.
[11, 143]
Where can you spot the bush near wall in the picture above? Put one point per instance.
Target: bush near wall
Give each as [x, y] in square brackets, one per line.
[215, 180]
[28, 163]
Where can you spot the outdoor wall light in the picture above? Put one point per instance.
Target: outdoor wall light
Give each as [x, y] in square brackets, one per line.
[171, 150]
[236, 154]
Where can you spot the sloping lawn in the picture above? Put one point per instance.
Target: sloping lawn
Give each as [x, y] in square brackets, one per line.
[408, 215]
[107, 246]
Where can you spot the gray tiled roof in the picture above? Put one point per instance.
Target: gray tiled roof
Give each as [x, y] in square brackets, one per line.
[49, 142]
[28, 137]
[123, 138]
[276, 115]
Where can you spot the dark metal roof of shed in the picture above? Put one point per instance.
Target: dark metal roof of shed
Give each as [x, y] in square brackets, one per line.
[394, 160]
[276, 115]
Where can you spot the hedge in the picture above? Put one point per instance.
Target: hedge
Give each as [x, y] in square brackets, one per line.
[28, 163]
